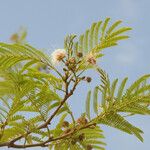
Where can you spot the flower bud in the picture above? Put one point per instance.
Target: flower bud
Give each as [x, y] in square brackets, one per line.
[67, 63]
[72, 67]
[89, 147]
[65, 124]
[64, 69]
[72, 60]
[81, 137]
[83, 78]
[14, 37]
[79, 54]
[88, 79]
[82, 120]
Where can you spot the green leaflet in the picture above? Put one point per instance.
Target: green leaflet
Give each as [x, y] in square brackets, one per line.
[119, 31]
[131, 101]
[104, 27]
[95, 100]
[113, 88]
[57, 131]
[81, 43]
[62, 118]
[63, 109]
[116, 121]
[10, 133]
[92, 136]
[86, 40]
[10, 54]
[121, 88]
[91, 36]
[136, 109]
[137, 83]
[97, 30]
[110, 30]
[100, 36]
[5, 102]
[44, 77]
[104, 87]
[88, 98]
[30, 63]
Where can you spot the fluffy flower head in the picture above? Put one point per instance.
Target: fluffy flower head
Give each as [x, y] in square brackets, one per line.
[58, 55]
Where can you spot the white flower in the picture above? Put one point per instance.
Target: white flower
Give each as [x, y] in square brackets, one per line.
[58, 55]
[91, 59]
[2, 79]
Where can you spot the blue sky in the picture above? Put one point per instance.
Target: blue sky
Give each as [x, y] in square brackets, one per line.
[48, 21]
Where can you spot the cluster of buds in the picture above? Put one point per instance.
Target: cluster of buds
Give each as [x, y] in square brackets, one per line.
[59, 54]
[88, 79]
[82, 120]
[71, 63]
[72, 60]
[89, 58]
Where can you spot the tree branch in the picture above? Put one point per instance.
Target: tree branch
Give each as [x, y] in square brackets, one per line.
[44, 125]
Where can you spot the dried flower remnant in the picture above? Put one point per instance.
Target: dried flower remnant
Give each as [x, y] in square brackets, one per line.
[72, 60]
[81, 137]
[65, 124]
[58, 56]
[89, 147]
[79, 54]
[14, 38]
[91, 59]
[82, 120]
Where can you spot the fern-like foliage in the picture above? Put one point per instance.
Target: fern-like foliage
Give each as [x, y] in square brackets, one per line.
[101, 36]
[116, 101]
[10, 54]
[98, 37]
[84, 138]
[34, 92]
[29, 92]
